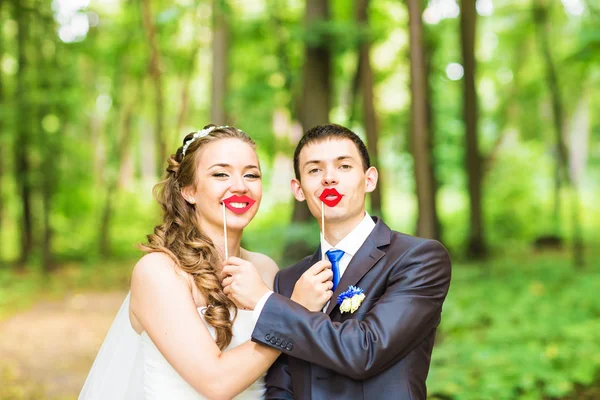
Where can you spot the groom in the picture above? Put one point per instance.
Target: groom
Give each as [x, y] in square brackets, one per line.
[378, 344]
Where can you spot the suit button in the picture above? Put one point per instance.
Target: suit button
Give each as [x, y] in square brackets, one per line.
[273, 340]
[268, 337]
[278, 342]
[289, 347]
[283, 344]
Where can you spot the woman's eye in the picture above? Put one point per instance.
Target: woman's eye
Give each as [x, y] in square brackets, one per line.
[252, 176]
[221, 175]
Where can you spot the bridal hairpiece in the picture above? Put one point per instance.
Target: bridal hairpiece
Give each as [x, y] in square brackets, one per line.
[199, 134]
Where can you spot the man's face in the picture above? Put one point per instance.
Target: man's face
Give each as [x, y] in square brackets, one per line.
[332, 173]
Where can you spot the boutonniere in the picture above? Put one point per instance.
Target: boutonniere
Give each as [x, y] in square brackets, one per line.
[351, 299]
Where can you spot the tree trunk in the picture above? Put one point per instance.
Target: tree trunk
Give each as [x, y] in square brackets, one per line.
[540, 16]
[24, 131]
[220, 63]
[283, 56]
[125, 156]
[369, 113]
[430, 45]
[315, 103]
[155, 68]
[49, 160]
[476, 243]
[579, 149]
[2, 143]
[105, 248]
[185, 86]
[421, 145]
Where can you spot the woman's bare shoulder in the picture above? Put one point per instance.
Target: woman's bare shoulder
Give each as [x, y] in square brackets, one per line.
[157, 268]
[267, 268]
[261, 261]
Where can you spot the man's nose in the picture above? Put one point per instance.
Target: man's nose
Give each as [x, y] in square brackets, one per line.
[329, 177]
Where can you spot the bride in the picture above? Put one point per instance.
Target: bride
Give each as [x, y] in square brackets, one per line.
[177, 335]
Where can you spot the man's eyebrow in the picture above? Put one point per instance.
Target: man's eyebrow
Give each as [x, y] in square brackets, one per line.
[312, 162]
[340, 158]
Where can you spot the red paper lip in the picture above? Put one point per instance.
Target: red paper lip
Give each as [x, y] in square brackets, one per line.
[238, 199]
[332, 202]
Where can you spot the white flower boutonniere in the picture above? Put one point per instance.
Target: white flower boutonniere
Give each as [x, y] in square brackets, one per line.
[351, 299]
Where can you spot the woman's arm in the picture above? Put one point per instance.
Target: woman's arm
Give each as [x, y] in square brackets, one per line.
[162, 302]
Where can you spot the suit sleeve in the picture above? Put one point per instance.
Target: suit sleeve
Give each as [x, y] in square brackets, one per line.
[278, 380]
[409, 309]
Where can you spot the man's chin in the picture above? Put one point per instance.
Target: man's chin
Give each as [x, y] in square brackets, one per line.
[335, 214]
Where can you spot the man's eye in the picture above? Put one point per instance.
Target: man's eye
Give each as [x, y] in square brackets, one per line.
[313, 171]
[345, 166]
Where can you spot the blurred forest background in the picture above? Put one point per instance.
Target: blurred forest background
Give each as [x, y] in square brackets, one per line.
[481, 115]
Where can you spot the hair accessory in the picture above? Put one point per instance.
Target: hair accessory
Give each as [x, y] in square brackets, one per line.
[199, 134]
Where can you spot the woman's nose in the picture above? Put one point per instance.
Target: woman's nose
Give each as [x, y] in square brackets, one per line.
[238, 185]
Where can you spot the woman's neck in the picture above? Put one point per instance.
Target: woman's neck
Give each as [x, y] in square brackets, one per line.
[234, 239]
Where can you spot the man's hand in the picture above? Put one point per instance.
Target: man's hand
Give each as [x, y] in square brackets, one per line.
[242, 283]
[313, 289]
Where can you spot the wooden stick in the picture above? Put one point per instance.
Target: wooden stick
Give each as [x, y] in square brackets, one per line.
[225, 232]
[322, 222]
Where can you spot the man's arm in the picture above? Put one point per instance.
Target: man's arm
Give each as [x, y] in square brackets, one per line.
[278, 380]
[408, 310]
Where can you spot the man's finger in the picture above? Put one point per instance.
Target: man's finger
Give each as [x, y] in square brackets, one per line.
[325, 275]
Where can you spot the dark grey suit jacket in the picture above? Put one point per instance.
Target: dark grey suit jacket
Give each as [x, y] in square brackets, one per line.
[382, 350]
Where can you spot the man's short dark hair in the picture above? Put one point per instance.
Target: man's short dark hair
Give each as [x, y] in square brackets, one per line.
[330, 131]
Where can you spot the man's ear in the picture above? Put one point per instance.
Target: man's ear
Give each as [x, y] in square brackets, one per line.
[297, 190]
[371, 177]
[188, 195]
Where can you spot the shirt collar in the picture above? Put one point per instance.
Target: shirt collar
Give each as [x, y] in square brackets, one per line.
[353, 240]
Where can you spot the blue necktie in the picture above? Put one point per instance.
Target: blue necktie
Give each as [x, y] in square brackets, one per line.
[335, 256]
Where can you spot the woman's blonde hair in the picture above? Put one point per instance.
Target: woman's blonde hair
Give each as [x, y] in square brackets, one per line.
[180, 235]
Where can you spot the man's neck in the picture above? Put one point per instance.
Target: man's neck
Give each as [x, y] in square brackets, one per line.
[334, 233]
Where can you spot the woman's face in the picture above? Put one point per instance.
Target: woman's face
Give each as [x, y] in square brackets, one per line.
[228, 172]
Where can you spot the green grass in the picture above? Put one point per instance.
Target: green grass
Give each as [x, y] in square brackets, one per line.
[523, 326]
[518, 328]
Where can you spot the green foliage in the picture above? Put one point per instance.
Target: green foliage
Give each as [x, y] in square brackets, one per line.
[510, 204]
[525, 327]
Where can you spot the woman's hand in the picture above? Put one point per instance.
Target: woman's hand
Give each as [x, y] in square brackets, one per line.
[313, 289]
[242, 283]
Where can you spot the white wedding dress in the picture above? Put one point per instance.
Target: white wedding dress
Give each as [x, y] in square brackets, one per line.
[130, 367]
[162, 382]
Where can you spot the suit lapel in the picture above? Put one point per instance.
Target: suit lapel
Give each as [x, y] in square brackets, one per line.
[364, 259]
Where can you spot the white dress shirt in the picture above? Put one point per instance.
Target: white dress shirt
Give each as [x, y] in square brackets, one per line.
[349, 245]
